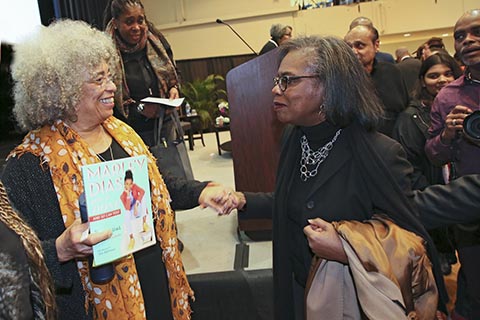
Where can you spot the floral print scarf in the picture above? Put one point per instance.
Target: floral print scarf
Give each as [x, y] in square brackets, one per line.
[65, 152]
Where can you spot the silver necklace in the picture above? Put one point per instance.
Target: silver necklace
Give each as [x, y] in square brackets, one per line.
[313, 159]
[111, 155]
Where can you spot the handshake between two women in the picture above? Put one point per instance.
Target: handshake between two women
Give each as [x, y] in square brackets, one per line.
[221, 199]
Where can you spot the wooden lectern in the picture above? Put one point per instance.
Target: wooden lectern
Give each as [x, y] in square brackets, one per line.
[255, 130]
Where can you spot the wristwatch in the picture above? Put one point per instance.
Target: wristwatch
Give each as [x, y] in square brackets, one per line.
[140, 107]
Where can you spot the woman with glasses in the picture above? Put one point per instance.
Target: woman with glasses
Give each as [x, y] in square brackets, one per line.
[333, 167]
[64, 94]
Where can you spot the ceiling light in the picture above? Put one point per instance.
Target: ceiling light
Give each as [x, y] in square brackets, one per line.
[445, 35]
[407, 34]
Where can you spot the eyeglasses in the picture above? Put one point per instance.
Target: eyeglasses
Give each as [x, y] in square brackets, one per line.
[101, 80]
[284, 81]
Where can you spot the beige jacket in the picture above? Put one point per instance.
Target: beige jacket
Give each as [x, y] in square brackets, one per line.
[389, 276]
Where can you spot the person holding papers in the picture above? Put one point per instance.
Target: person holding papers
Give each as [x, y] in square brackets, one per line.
[148, 68]
[65, 80]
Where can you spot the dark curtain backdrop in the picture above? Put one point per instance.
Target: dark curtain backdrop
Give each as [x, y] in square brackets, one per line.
[90, 11]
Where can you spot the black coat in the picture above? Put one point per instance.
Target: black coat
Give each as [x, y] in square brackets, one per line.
[411, 130]
[269, 46]
[345, 192]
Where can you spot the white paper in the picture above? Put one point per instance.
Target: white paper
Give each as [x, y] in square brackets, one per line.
[164, 101]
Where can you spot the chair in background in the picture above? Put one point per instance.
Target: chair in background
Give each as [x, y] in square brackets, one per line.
[187, 129]
[193, 128]
[197, 130]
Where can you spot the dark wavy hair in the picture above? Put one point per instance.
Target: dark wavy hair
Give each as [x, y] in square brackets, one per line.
[128, 175]
[419, 92]
[349, 92]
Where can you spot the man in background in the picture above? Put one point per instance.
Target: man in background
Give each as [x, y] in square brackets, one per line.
[388, 81]
[450, 143]
[278, 34]
[364, 21]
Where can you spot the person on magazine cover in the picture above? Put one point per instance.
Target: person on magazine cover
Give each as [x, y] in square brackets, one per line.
[64, 86]
[132, 198]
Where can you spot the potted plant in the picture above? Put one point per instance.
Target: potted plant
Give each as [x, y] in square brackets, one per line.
[204, 96]
[224, 117]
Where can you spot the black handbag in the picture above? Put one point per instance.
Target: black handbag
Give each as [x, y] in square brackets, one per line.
[172, 156]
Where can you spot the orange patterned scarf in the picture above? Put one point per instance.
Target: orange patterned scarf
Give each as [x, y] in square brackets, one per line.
[65, 152]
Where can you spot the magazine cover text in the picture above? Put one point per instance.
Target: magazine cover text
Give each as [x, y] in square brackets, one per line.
[118, 198]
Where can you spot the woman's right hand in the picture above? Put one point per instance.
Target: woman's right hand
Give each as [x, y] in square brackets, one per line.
[454, 123]
[75, 242]
[324, 240]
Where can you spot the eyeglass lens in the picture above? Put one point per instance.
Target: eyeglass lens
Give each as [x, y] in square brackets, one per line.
[282, 82]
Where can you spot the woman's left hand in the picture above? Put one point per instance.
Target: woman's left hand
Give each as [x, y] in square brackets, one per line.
[173, 93]
[324, 240]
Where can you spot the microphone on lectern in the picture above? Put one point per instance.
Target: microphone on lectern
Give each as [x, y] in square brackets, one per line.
[220, 21]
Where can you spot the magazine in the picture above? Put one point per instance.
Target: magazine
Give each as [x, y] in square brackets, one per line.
[117, 197]
[167, 102]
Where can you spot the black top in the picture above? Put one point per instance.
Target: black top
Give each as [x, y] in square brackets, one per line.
[301, 254]
[142, 82]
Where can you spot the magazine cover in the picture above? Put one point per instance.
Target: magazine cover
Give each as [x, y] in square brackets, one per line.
[117, 196]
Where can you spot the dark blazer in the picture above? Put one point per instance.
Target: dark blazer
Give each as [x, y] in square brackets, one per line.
[269, 46]
[384, 57]
[342, 191]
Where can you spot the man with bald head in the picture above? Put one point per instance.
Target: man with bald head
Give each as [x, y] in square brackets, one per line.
[391, 89]
[449, 144]
[364, 21]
